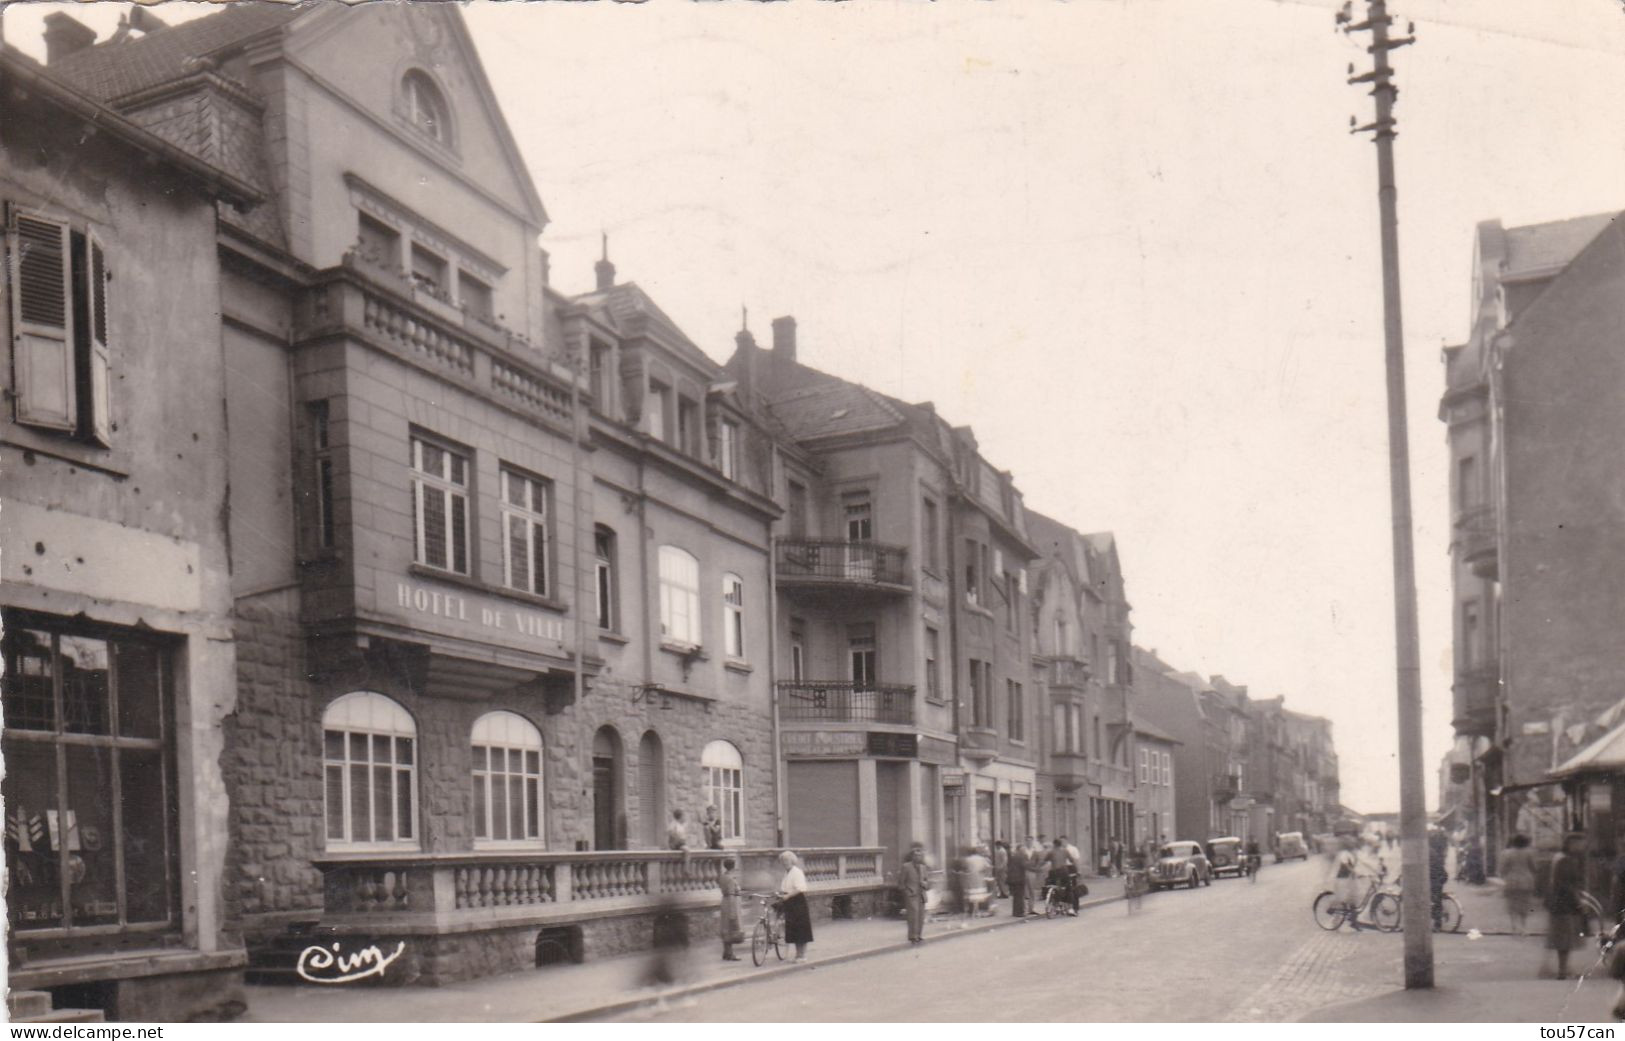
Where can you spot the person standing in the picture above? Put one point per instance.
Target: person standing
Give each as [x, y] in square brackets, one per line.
[711, 826]
[677, 832]
[1518, 878]
[977, 868]
[1438, 873]
[1564, 921]
[1035, 873]
[793, 904]
[1346, 885]
[1001, 861]
[1061, 869]
[732, 931]
[1015, 877]
[915, 881]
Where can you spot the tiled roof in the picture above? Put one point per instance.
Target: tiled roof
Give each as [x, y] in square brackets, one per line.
[832, 407]
[1548, 248]
[112, 70]
[1144, 727]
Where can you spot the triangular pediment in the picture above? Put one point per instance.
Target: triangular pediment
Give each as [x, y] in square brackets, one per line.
[362, 55]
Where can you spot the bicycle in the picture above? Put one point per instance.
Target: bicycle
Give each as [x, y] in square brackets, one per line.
[1058, 899]
[769, 930]
[1330, 914]
[1253, 862]
[1388, 910]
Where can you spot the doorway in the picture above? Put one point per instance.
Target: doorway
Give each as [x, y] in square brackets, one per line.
[606, 794]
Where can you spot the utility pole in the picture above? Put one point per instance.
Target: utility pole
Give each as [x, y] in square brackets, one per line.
[1416, 901]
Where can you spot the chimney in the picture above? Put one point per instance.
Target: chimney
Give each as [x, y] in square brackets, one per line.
[745, 348]
[65, 35]
[784, 338]
[604, 269]
[142, 20]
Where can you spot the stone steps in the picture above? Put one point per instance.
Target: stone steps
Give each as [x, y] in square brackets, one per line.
[34, 1006]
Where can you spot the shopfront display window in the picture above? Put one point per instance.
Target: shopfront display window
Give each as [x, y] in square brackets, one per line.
[89, 791]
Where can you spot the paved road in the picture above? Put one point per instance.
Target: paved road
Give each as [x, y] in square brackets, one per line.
[1232, 951]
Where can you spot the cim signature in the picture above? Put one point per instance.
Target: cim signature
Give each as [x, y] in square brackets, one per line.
[369, 961]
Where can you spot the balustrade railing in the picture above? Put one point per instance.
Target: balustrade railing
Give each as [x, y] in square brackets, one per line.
[842, 701]
[859, 562]
[508, 885]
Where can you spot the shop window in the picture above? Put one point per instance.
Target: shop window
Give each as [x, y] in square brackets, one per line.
[59, 326]
[679, 596]
[369, 769]
[722, 781]
[89, 786]
[525, 542]
[440, 507]
[508, 791]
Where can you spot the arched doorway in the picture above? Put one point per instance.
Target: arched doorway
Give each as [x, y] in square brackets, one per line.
[651, 791]
[607, 816]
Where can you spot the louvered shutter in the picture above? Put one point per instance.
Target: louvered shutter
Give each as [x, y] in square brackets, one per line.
[99, 421]
[41, 319]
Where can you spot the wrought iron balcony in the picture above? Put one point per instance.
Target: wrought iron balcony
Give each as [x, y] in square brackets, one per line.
[841, 701]
[842, 564]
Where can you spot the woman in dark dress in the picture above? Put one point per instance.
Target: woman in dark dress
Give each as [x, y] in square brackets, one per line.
[1564, 921]
[793, 905]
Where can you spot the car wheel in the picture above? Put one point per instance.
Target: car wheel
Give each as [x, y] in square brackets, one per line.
[1191, 881]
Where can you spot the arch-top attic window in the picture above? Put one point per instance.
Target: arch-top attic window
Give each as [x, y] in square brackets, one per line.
[426, 106]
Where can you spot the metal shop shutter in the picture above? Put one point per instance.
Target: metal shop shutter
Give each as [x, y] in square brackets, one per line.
[823, 803]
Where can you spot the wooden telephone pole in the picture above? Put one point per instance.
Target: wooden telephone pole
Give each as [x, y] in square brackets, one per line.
[1416, 901]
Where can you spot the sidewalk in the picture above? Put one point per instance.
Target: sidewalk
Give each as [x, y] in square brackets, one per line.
[1489, 979]
[565, 992]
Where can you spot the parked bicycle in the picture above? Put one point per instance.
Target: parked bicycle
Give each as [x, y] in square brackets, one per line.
[1377, 905]
[1388, 910]
[769, 931]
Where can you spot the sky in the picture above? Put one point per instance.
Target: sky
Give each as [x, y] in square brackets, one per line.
[1130, 242]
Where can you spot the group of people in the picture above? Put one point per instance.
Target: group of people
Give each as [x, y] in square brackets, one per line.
[1017, 873]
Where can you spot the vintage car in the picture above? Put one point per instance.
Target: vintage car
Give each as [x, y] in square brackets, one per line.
[1226, 857]
[1290, 844]
[1181, 864]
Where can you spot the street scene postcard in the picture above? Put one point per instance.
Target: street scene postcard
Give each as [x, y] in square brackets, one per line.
[804, 512]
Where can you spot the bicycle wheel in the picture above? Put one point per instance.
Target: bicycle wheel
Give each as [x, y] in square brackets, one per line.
[1450, 918]
[1386, 912]
[775, 936]
[759, 941]
[1329, 914]
[1052, 902]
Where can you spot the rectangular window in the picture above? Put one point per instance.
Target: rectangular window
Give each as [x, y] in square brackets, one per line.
[89, 786]
[322, 459]
[429, 272]
[603, 546]
[370, 782]
[860, 641]
[525, 542]
[733, 616]
[688, 427]
[378, 243]
[507, 794]
[798, 510]
[1113, 665]
[933, 677]
[798, 649]
[728, 449]
[1467, 482]
[440, 507]
[859, 517]
[1012, 602]
[679, 596]
[1143, 769]
[60, 325]
[1167, 770]
[981, 697]
[973, 572]
[475, 297]
[654, 411]
[1016, 710]
[1095, 725]
[1058, 738]
[1074, 729]
[598, 362]
[929, 533]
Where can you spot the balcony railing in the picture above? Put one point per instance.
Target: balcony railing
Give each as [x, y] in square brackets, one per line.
[459, 890]
[839, 561]
[1475, 537]
[837, 701]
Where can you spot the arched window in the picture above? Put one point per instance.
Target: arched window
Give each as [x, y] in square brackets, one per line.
[426, 106]
[507, 779]
[369, 766]
[679, 596]
[723, 782]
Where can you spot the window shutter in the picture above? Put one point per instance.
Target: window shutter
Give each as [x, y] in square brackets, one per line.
[42, 320]
[100, 419]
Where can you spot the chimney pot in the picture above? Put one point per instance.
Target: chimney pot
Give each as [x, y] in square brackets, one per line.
[604, 270]
[784, 338]
[64, 35]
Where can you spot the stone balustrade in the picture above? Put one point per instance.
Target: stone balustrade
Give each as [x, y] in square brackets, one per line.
[450, 892]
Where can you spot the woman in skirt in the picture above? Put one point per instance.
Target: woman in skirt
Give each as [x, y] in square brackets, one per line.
[731, 930]
[793, 905]
[1564, 920]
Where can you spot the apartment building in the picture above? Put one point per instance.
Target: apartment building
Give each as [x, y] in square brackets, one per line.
[119, 659]
[1538, 537]
[1171, 701]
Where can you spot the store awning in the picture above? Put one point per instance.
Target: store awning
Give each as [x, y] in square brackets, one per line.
[1604, 755]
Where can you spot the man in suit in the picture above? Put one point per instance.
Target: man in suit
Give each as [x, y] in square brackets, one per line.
[914, 879]
[1015, 876]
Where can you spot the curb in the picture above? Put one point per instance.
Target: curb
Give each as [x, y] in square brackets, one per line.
[627, 1005]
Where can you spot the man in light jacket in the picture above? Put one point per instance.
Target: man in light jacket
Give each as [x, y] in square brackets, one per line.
[914, 880]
